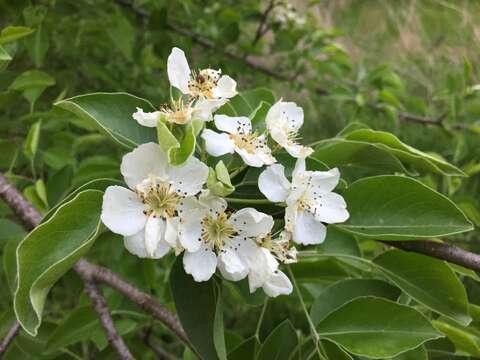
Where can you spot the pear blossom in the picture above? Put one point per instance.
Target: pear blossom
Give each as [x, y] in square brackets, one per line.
[284, 120]
[146, 214]
[207, 84]
[179, 112]
[238, 137]
[309, 199]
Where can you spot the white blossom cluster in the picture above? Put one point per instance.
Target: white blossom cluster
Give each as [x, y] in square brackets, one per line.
[169, 208]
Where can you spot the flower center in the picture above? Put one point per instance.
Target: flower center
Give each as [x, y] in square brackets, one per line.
[178, 112]
[249, 142]
[216, 230]
[279, 247]
[203, 83]
[160, 198]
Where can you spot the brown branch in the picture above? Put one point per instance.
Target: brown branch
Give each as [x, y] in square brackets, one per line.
[14, 329]
[31, 217]
[100, 306]
[143, 300]
[262, 25]
[441, 251]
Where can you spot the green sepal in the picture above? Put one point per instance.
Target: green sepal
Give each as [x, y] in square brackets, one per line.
[179, 146]
[219, 180]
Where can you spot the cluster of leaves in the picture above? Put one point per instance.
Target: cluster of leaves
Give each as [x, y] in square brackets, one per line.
[363, 301]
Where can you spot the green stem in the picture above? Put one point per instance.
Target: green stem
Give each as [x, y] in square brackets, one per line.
[313, 330]
[260, 319]
[249, 201]
[238, 171]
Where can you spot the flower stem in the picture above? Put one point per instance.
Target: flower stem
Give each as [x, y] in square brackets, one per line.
[238, 171]
[248, 201]
[313, 330]
[260, 319]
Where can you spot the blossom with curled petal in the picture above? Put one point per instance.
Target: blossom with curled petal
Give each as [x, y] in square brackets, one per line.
[207, 84]
[309, 198]
[238, 137]
[284, 120]
[147, 213]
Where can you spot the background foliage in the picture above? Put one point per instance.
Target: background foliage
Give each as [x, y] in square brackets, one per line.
[410, 68]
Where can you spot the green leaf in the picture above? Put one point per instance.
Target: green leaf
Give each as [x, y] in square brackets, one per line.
[50, 250]
[357, 154]
[344, 291]
[405, 153]
[466, 342]
[122, 33]
[5, 58]
[112, 113]
[198, 320]
[179, 149]
[31, 143]
[377, 328]
[400, 208]
[12, 33]
[218, 329]
[429, 281]
[246, 350]
[280, 344]
[416, 354]
[219, 180]
[248, 102]
[335, 352]
[77, 326]
[32, 83]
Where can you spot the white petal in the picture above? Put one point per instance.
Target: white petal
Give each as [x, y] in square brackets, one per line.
[251, 223]
[278, 284]
[144, 160]
[261, 268]
[188, 178]
[200, 264]
[135, 244]
[122, 211]
[178, 70]
[217, 144]
[285, 112]
[324, 181]
[231, 265]
[154, 233]
[212, 203]
[273, 183]
[171, 231]
[190, 229]
[300, 167]
[297, 150]
[226, 88]
[256, 159]
[331, 208]
[307, 230]
[233, 124]
[148, 119]
[204, 108]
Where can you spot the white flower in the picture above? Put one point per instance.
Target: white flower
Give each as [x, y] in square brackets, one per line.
[204, 84]
[146, 215]
[280, 247]
[284, 120]
[239, 138]
[309, 197]
[214, 238]
[179, 112]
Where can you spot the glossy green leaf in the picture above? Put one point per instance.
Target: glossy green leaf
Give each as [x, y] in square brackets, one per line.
[335, 352]
[377, 328]
[12, 33]
[248, 102]
[31, 143]
[280, 344]
[400, 208]
[405, 153]
[466, 342]
[416, 354]
[357, 154]
[429, 281]
[32, 84]
[112, 112]
[218, 329]
[198, 321]
[344, 291]
[50, 250]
